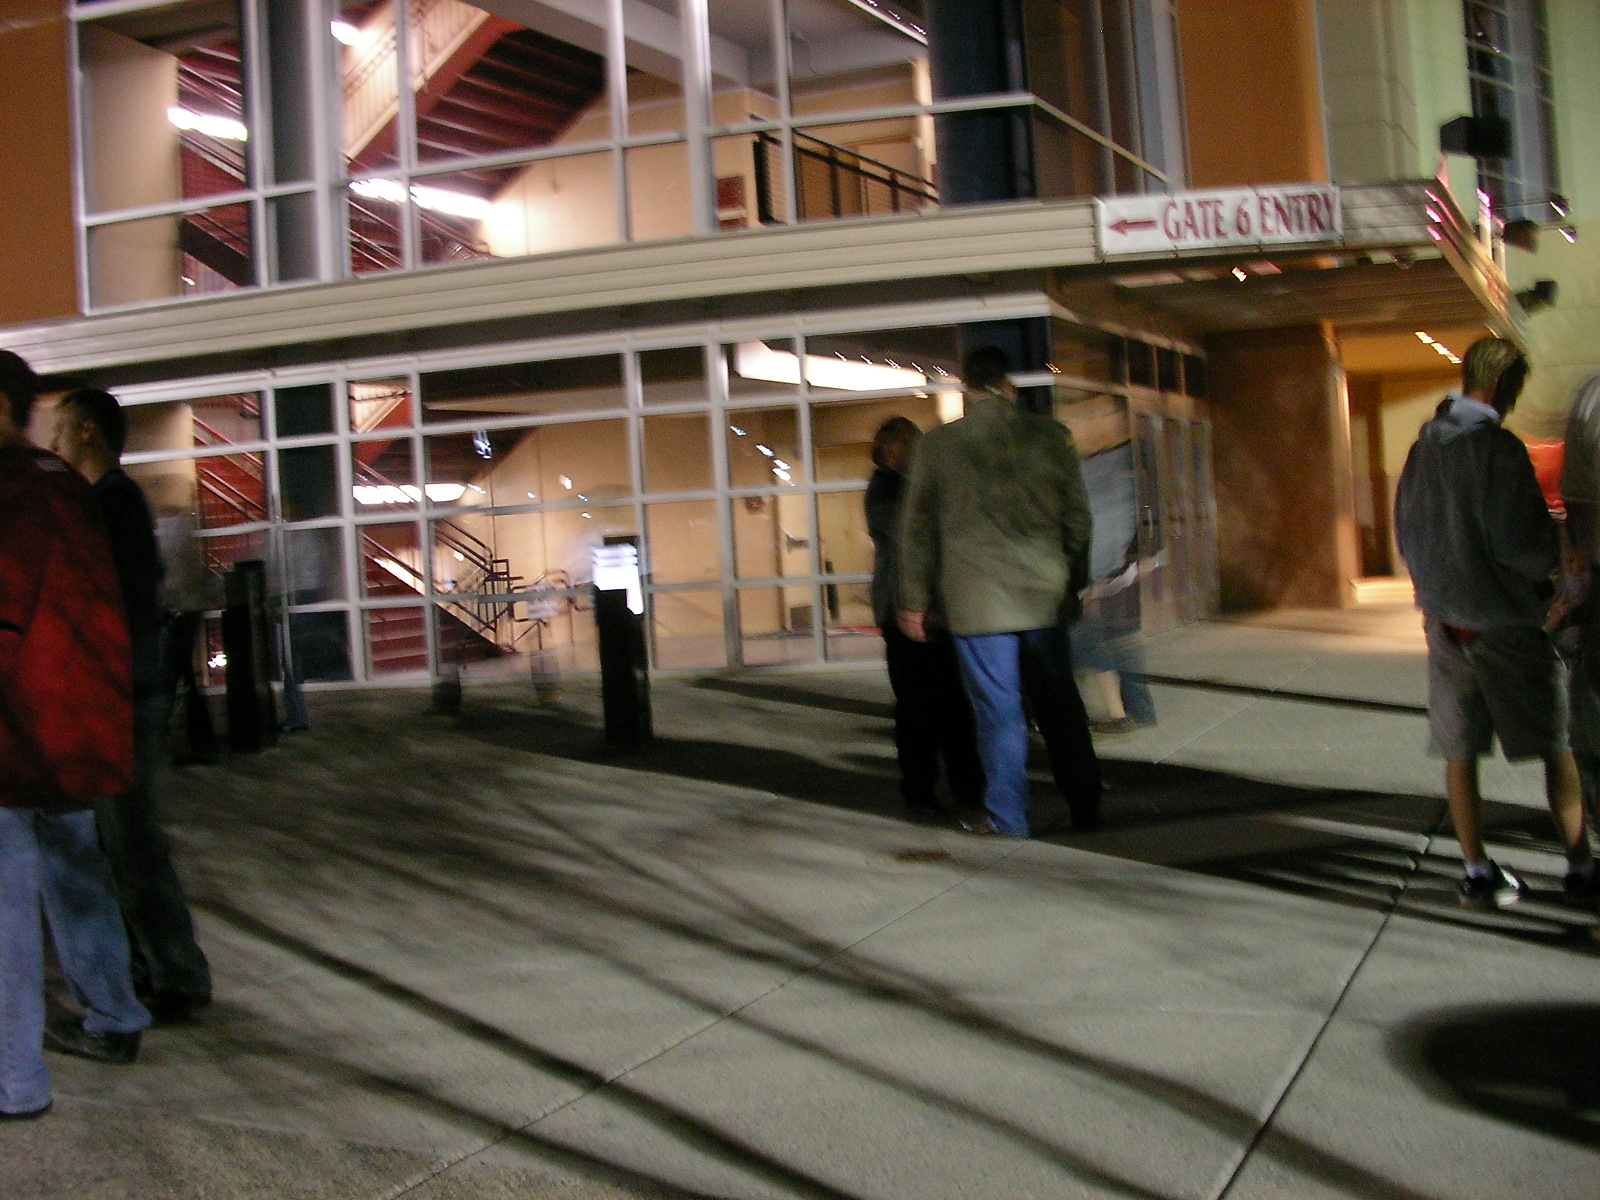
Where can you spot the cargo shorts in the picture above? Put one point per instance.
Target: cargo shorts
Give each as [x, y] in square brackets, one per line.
[1506, 683]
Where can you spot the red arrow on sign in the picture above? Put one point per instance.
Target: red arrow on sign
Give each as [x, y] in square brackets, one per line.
[1124, 225]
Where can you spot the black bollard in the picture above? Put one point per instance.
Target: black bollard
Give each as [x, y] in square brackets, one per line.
[624, 670]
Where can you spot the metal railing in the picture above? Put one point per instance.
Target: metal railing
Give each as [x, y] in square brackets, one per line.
[833, 181]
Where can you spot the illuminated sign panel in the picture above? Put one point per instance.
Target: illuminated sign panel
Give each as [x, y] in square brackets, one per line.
[1178, 221]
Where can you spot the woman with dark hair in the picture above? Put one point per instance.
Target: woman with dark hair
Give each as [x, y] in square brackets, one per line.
[932, 717]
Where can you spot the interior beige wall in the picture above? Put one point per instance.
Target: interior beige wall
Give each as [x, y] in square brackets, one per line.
[38, 277]
[1284, 489]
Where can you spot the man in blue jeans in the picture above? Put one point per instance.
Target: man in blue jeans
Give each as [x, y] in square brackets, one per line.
[66, 737]
[996, 527]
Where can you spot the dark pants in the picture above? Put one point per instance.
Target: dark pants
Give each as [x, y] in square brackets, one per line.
[167, 961]
[932, 719]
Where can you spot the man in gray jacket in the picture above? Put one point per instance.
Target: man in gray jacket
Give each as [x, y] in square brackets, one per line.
[996, 526]
[1481, 546]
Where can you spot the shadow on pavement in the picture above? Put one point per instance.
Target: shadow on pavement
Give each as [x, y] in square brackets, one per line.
[1533, 1065]
[1360, 849]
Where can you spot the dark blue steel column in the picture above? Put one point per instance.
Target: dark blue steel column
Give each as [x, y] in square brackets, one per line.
[976, 48]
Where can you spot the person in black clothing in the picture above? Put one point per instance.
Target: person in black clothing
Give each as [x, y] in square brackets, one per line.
[169, 966]
[932, 716]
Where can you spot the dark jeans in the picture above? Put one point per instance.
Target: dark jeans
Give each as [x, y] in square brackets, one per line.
[932, 719]
[166, 958]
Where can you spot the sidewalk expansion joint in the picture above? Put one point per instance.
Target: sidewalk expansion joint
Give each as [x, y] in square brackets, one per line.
[1271, 1117]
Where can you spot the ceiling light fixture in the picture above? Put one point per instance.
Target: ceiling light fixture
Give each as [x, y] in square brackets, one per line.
[757, 360]
[222, 128]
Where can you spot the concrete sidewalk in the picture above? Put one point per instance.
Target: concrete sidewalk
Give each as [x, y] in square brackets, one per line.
[480, 957]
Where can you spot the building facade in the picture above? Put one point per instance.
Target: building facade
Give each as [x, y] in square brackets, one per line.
[423, 302]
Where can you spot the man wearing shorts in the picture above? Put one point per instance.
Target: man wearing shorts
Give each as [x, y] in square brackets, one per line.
[1473, 528]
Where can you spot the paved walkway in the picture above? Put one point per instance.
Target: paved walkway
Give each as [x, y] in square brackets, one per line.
[479, 957]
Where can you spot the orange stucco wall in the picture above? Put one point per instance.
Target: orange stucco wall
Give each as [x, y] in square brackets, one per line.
[37, 276]
[1253, 93]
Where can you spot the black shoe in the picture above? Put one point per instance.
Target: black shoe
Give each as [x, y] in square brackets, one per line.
[68, 1037]
[1497, 889]
[175, 1008]
[979, 827]
[30, 1115]
[1085, 814]
[1581, 885]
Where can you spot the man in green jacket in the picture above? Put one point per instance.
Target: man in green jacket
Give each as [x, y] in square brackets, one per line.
[996, 526]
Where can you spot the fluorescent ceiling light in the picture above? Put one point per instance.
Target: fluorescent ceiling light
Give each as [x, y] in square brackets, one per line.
[757, 360]
[345, 33]
[388, 493]
[224, 128]
[458, 204]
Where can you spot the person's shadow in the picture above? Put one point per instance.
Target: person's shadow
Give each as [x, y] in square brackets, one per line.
[1535, 1065]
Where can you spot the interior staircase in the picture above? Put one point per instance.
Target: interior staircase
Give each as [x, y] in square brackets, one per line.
[232, 491]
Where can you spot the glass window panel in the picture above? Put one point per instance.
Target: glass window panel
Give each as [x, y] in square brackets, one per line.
[222, 551]
[216, 251]
[660, 201]
[1070, 163]
[163, 108]
[771, 536]
[231, 489]
[553, 204]
[746, 27]
[369, 72]
[391, 561]
[742, 196]
[880, 71]
[397, 640]
[686, 631]
[487, 85]
[299, 411]
[764, 448]
[169, 486]
[452, 215]
[473, 631]
[762, 368]
[655, 67]
[861, 169]
[313, 565]
[320, 643]
[500, 553]
[775, 625]
[376, 243]
[849, 637]
[677, 453]
[383, 475]
[213, 661]
[673, 376]
[845, 547]
[841, 434]
[159, 258]
[584, 461]
[684, 542]
[1168, 371]
[548, 388]
[308, 483]
[380, 404]
[1080, 353]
